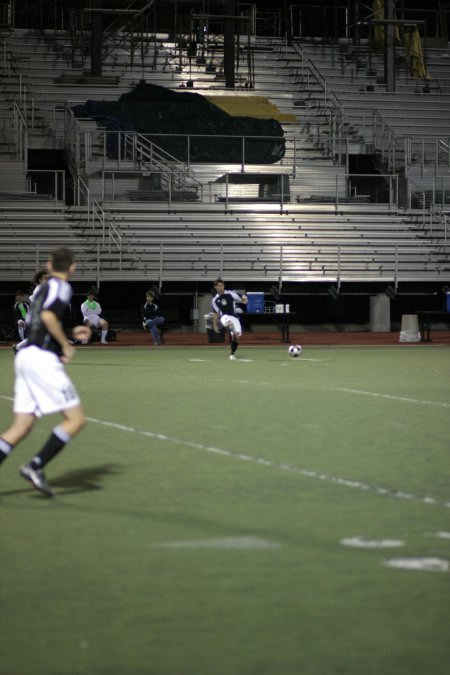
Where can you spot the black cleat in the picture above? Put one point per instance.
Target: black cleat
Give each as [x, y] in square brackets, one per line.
[37, 478]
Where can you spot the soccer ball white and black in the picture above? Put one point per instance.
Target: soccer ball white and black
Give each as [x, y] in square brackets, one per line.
[295, 351]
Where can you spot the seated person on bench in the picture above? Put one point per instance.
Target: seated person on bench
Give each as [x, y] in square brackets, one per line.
[151, 318]
[91, 311]
[21, 309]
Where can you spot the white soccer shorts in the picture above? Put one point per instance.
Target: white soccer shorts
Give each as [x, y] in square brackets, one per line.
[42, 386]
[94, 320]
[232, 324]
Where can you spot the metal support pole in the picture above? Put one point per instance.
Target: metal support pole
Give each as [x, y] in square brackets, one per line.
[339, 269]
[294, 168]
[389, 46]
[226, 192]
[98, 266]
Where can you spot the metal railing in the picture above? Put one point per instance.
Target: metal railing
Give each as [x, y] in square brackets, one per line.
[56, 186]
[166, 192]
[436, 197]
[20, 134]
[10, 67]
[97, 217]
[289, 260]
[443, 150]
[402, 151]
[307, 72]
[97, 148]
[274, 190]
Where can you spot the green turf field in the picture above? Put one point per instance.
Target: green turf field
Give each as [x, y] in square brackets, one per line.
[235, 518]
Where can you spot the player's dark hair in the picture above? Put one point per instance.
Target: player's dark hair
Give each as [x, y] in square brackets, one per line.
[37, 279]
[219, 280]
[61, 259]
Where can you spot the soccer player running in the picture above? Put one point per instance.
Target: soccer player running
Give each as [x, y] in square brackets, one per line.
[42, 385]
[224, 307]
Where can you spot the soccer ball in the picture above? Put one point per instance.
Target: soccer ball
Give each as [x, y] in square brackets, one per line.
[295, 350]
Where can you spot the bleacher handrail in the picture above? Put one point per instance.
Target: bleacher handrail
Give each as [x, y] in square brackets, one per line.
[95, 213]
[20, 134]
[331, 102]
[59, 184]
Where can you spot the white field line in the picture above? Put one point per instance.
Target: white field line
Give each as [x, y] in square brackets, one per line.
[275, 465]
[395, 398]
[308, 473]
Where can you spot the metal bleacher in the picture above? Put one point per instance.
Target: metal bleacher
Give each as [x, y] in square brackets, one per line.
[316, 231]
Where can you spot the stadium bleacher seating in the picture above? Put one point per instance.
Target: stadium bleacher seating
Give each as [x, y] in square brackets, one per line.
[319, 229]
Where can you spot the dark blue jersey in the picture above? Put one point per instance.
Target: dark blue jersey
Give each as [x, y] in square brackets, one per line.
[53, 296]
[225, 303]
[149, 310]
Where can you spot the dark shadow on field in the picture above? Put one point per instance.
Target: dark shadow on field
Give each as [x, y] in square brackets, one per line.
[8, 493]
[102, 364]
[111, 670]
[83, 480]
[78, 480]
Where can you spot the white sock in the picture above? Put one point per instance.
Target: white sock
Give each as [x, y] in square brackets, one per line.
[104, 334]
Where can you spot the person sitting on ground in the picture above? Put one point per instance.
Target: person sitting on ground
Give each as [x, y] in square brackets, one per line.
[91, 311]
[21, 309]
[151, 318]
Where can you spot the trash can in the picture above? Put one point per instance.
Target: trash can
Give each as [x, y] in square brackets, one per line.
[410, 328]
[211, 334]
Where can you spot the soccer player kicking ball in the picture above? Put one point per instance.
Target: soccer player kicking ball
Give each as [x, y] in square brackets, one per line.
[224, 306]
[42, 385]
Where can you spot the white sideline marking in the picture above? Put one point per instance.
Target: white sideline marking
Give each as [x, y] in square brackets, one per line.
[198, 360]
[302, 358]
[337, 480]
[421, 564]
[237, 543]
[218, 379]
[362, 542]
[395, 398]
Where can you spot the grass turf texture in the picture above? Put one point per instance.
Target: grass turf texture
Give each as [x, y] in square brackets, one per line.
[201, 534]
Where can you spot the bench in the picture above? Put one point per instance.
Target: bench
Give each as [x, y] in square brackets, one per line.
[283, 319]
[131, 318]
[426, 318]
